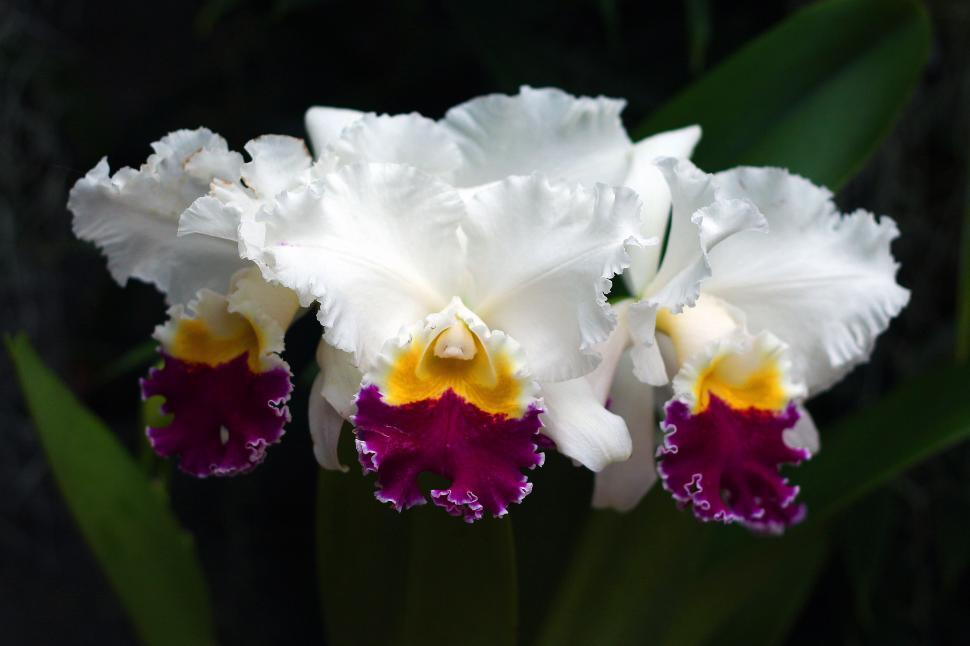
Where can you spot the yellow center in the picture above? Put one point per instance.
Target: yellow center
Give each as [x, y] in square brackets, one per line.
[454, 359]
[740, 388]
[198, 342]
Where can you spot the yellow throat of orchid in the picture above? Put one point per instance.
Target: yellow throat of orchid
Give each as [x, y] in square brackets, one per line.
[717, 357]
[434, 361]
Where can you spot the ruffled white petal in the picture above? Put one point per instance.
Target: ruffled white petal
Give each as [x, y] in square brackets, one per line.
[324, 125]
[375, 244]
[210, 216]
[621, 485]
[703, 216]
[402, 139]
[581, 427]
[541, 255]
[325, 424]
[646, 179]
[277, 161]
[540, 131]
[821, 281]
[133, 216]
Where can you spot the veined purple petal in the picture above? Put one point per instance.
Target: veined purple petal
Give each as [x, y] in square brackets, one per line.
[482, 454]
[224, 416]
[724, 463]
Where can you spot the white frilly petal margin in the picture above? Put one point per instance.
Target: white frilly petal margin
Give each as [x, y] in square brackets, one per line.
[324, 125]
[541, 255]
[376, 244]
[647, 180]
[133, 216]
[540, 130]
[400, 139]
[821, 281]
[703, 217]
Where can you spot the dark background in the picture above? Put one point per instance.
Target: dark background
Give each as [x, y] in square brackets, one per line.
[82, 80]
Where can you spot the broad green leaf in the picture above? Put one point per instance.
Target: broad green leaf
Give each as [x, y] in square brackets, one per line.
[816, 94]
[421, 577]
[461, 581]
[910, 424]
[749, 595]
[362, 552]
[147, 557]
[655, 574]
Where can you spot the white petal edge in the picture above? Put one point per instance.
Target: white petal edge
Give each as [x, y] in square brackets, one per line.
[133, 216]
[540, 130]
[541, 255]
[277, 162]
[401, 139]
[581, 426]
[376, 244]
[702, 218]
[647, 180]
[821, 281]
[325, 425]
[324, 124]
[622, 485]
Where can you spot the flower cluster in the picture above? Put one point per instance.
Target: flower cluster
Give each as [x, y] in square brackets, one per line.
[460, 270]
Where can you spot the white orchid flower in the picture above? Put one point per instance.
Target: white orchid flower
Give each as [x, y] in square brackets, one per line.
[449, 319]
[223, 379]
[749, 324]
[483, 141]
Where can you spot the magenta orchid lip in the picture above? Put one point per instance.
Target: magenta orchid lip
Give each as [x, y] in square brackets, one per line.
[224, 417]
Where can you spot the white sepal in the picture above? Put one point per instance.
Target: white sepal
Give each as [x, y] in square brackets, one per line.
[621, 485]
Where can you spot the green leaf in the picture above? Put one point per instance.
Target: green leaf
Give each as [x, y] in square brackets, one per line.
[461, 583]
[750, 595]
[816, 94]
[917, 420]
[656, 574]
[147, 557]
[421, 577]
[362, 551]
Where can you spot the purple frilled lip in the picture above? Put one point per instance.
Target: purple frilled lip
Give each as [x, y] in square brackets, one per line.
[224, 416]
[725, 462]
[482, 454]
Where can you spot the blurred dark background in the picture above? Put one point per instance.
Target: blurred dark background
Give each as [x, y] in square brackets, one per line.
[82, 80]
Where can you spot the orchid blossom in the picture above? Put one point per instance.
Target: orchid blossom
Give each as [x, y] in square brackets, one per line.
[781, 298]
[222, 378]
[461, 268]
[449, 320]
[479, 143]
